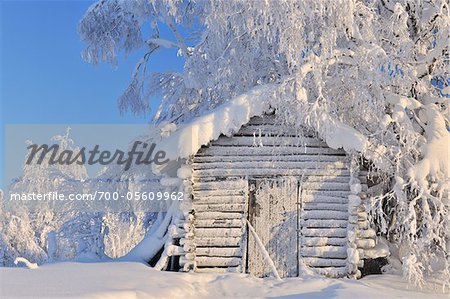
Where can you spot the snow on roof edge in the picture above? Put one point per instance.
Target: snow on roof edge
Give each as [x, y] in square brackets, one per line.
[183, 141]
[225, 119]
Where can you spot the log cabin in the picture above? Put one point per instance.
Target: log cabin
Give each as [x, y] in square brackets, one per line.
[264, 197]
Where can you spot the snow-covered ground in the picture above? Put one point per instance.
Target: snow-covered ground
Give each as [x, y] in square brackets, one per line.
[134, 280]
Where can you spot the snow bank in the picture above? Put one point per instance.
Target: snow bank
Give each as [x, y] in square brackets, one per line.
[135, 280]
[186, 139]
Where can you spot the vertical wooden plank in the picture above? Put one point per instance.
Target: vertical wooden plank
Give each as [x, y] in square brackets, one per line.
[257, 211]
[288, 230]
[274, 216]
[244, 241]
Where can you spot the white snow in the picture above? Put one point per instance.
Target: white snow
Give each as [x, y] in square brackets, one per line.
[135, 280]
[353, 256]
[27, 263]
[380, 250]
[184, 172]
[227, 119]
[339, 135]
[355, 188]
[152, 242]
[186, 139]
[435, 162]
[167, 129]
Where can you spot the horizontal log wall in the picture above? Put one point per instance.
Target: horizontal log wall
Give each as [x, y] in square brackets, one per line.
[262, 149]
[219, 224]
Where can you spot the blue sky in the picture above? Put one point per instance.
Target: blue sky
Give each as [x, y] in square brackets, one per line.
[45, 81]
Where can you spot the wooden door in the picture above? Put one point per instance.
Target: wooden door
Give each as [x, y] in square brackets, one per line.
[273, 213]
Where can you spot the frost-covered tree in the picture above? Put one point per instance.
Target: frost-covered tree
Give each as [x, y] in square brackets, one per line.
[19, 239]
[50, 230]
[380, 67]
[47, 177]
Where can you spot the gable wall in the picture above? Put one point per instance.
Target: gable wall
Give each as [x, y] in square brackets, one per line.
[261, 149]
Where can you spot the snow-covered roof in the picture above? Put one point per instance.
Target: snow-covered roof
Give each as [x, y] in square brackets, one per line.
[186, 139]
[182, 141]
